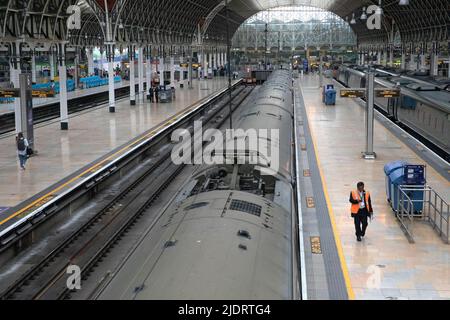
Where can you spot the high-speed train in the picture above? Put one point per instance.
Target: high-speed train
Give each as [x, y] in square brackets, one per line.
[231, 234]
[423, 106]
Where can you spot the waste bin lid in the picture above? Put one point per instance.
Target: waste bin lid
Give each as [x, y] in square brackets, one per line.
[389, 167]
[396, 176]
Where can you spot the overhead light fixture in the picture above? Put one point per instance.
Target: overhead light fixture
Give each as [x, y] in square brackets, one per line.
[364, 15]
[121, 25]
[353, 21]
[379, 10]
[403, 2]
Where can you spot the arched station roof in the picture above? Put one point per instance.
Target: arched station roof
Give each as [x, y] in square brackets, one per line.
[176, 21]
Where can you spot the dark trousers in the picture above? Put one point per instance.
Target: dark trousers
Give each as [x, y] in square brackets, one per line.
[361, 222]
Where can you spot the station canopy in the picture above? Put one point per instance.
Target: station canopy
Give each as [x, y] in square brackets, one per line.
[178, 21]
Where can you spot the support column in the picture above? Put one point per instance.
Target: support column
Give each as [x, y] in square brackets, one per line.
[33, 67]
[434, 59]
[210, 64]
[379, 54]
[385, 57]
[190, 70]
[369, 152]
[63, 86]
[181, 70]
[76, 72]
[100, 63]
[149, 70]
[412, 57]
[141, 73]
[111, 90]
[51, 61]
[161, 70]
[403, 64]
[14, 72]
[172, 71]
[422, 58]
[132, 78]
[90, 58]
[391, 55]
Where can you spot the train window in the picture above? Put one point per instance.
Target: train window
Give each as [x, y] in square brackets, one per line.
[409, 103]
[274, 115]
[245, 206]
[244, 234]
[196, 205]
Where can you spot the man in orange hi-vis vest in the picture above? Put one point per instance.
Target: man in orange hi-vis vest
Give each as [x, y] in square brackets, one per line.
[361, 209]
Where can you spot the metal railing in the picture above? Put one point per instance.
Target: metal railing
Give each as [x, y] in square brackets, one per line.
[428, 206]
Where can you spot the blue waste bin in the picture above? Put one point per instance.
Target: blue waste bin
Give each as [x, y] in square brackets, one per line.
[411, 177]
[324, 91]
[330, 97]
[388, 169]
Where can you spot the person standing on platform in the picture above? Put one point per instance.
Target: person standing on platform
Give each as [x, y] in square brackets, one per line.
[361, 209]
[22, 148]
[157, 94]
[150, 92]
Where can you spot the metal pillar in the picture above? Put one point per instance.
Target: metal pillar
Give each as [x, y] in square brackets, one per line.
[141, 94]
[172, 71]
[76, 72]
[161, 70]
[321, 72]
[435, 59]
[391, 55]
[190, 71]
[149, 70]
[33, 66]
[111, 90]
[26, 108]
[385, 57]
[90, 58]
[100, 63]
[51, 61]
[131, 57]
[14, 68]
[369, 153]
[63, 86]
[403, 64]
[210, 63]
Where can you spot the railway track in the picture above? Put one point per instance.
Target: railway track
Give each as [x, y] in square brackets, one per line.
[52, 111]
[117, 210]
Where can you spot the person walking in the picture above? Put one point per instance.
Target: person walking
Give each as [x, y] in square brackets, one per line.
[361, 209]
[157, 94]
[150, 92]
[22, 147]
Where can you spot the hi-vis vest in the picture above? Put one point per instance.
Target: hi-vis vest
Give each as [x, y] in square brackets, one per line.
[355, 207]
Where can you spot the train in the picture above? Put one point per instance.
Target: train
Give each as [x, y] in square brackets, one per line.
[232, 232]
[423, 105]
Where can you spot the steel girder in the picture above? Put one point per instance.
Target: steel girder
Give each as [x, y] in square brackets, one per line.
[176, 21]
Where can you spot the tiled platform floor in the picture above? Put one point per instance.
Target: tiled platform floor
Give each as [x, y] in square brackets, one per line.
[90, 136]
[385, 265]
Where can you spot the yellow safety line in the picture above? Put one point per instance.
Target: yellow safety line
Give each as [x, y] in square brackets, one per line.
[96, 166]
[337, 238]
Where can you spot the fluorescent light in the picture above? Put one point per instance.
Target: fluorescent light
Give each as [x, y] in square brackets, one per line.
[403, 2]
[364, 15]
[353, 21]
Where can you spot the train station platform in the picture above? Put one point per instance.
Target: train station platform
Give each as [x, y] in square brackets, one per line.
[385, 265]
[92, 134]
[77, 93]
